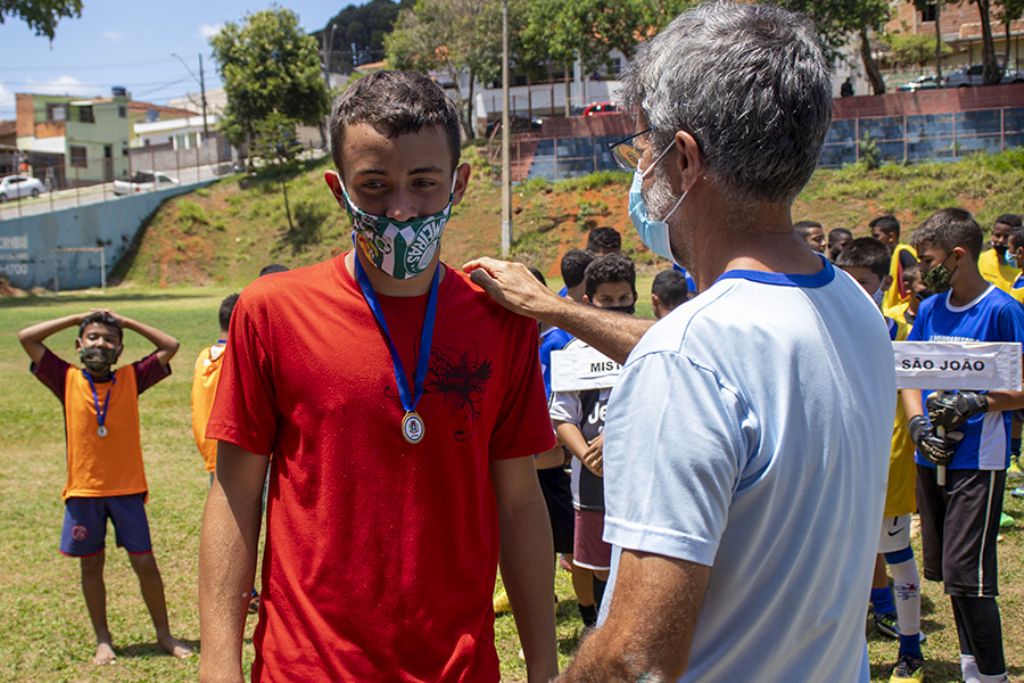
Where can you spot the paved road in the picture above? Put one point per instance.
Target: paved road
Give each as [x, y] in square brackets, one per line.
[66, 199]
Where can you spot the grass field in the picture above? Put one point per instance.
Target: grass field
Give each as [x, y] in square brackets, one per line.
[44, 631]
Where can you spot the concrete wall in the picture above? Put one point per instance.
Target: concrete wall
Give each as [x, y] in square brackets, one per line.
[27, 256]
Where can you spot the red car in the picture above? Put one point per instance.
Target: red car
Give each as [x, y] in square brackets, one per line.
[601, 109]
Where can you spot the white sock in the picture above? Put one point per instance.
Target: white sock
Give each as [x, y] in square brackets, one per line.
[969, 668]
[995, 678]
[906, 587]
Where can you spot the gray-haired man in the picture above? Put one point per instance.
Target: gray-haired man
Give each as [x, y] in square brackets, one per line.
[747, 441]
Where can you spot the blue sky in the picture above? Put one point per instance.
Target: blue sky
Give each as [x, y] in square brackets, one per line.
[130, 44]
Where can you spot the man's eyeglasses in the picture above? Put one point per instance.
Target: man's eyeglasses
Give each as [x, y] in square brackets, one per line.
[626, 152]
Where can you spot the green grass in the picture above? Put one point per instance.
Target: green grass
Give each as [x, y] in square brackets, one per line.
[44, 631]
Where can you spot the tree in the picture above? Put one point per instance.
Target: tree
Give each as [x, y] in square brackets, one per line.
[355, 35]
[275, 142]
[940, 46]
[990, 67]
[268, 65]
[914, 48]
[1011, 11]
[837, 20]
[451, 37]
[41, 15]
[561, 32]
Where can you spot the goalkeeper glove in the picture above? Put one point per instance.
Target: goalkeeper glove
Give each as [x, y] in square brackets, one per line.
[936, 449]
[950, 411]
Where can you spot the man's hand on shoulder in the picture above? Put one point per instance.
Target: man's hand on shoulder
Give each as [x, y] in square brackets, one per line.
[513, 286]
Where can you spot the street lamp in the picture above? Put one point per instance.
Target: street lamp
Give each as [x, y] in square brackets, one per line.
[202, 89]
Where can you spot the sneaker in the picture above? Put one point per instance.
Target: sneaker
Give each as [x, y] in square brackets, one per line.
[254, 602]
[501, 605]
[887, 626]
[907, 670]
[1018, 492]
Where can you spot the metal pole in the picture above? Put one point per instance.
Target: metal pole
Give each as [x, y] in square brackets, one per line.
[506, 141]
[103, 271]
[202, 93]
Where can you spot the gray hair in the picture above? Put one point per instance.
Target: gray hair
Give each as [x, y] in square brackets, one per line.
[751, 83]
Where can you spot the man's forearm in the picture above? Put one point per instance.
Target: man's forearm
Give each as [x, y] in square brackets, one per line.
[527, 569]
[999, 401]
[613, 334]
[912, 404]
[227, 567]
[40, 331]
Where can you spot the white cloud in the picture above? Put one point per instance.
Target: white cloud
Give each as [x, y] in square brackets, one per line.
[207, 31]
[6, 102]
[62, 85]
[113, 36]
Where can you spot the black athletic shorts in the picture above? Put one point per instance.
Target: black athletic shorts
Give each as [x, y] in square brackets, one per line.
[554, 483]
[959, 528]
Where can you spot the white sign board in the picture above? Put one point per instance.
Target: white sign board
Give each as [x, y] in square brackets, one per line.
[582, 368]
[958, 365]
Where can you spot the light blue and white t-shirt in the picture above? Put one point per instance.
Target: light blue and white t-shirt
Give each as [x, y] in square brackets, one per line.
[750, 432]
[994, 316]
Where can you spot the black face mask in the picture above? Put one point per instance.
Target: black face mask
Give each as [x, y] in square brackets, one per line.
[923, 294]
[1000, 249]
[630, 309]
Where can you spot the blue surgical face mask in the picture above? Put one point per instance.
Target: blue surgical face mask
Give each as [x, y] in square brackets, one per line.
[878, 297]
[654, 234]
[1009, 259]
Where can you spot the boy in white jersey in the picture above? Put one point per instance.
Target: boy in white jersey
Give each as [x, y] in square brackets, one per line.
[960, 520]
[866, 260]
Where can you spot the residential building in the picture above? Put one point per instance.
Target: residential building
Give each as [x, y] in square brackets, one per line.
[960, 24]
[97, 133]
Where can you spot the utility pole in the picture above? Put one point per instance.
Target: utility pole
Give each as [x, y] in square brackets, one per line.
[506, 141]
[202, 91]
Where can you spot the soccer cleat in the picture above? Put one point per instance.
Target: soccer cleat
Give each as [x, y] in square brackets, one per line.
[907, 670]
[886, 625]
[254, 602]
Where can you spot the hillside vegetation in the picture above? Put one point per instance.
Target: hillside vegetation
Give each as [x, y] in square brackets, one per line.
[225, 233]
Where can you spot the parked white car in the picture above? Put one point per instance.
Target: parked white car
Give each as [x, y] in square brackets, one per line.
[17, 186]
[144, 181]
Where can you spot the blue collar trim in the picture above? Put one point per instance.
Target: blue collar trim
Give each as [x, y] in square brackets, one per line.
[813, 281]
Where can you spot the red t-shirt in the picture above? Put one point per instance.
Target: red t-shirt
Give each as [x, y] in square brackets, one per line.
[381, 556]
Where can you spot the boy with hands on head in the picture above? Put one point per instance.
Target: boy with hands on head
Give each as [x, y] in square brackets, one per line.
[105, 476]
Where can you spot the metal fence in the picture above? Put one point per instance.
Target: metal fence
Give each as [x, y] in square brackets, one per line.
[902, 139]
[922, 137]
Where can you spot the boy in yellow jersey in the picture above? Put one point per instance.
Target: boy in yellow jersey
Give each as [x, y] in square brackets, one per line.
[906, 311]
[104, 457]
[886, 229]
[867, 261]
[996, 264]
[204, 386]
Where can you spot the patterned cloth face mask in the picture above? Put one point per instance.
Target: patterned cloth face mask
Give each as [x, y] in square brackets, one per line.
[401, 249]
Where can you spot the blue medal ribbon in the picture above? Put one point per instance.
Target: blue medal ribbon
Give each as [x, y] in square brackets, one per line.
[410, 399]
[101, 413]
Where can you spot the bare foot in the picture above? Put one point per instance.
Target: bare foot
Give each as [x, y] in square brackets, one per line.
[175, 647]
[104, 654]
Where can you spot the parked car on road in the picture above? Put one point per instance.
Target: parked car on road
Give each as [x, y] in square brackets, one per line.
[17, 186]
[920, 83]
[517, 123]
[144, 181]
[966, 76]
[600, 109]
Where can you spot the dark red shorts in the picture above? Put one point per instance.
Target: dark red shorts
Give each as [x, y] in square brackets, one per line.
[589, 551]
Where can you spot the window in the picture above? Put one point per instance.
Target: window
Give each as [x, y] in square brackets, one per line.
[122, 111]
[56, 112]
[85, 114]
[79, 158]
[929, 12]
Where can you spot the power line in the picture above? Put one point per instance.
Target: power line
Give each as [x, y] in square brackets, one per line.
[79, 84]
[81, 67]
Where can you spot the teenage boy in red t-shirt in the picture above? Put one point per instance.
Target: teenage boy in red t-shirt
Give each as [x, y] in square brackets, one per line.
[104, 457]
[403, 408]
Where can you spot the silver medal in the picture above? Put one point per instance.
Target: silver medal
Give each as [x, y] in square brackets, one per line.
[102, 431]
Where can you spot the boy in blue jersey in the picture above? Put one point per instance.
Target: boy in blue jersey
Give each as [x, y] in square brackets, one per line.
[897, 610]
[668, 291]
[579, 422]
[960, 520]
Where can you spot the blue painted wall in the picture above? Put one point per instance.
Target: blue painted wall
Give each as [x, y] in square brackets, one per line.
[27, 244]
